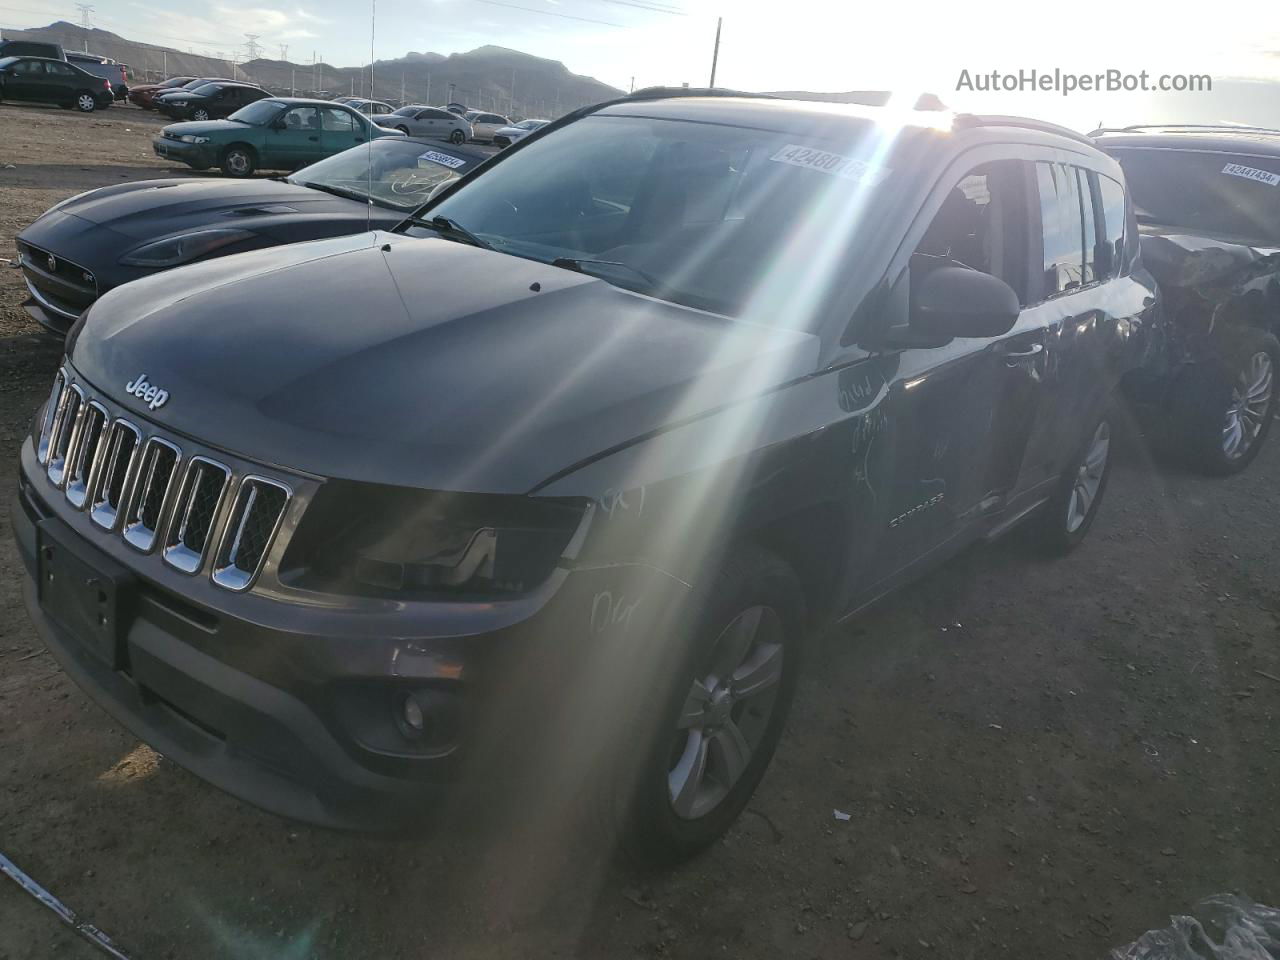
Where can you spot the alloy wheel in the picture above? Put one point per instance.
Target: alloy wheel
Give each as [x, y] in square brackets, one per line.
[1250, 403]
[86, 103]
[200, 115]
[1088, 479]
[726, 713]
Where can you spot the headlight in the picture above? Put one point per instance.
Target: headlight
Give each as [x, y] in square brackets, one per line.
[172, 251]
[190, 138]
[388, 541]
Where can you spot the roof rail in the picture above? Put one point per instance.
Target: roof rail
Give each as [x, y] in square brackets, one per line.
[967, 121]
[1189, 127]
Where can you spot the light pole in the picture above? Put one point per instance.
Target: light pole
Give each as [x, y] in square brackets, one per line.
[715, 54]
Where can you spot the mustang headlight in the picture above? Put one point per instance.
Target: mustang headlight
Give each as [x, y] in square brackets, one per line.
[172, 251]
[386, 541]
[192, 138]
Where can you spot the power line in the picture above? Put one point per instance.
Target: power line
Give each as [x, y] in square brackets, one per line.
[549, 13]
[655, 8]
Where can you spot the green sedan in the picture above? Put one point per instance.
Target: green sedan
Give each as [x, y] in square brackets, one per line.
[279, 133]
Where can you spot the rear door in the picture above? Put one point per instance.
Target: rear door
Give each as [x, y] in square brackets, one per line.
[340, 130]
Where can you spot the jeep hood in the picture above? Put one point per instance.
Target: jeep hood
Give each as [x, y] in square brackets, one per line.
[420, 362]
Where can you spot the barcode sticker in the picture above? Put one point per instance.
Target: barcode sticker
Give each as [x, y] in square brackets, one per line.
[1252, 173]
[444, 159]
[851, 168]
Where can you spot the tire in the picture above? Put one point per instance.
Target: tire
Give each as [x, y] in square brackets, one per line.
[750, 625]
[85, 102]
[1064, 521]
[403, 129]
[199, 113]
[457, 137]
[1224, 408]
[238, 160]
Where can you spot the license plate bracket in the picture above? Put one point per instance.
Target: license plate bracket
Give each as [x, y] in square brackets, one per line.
[83, 590]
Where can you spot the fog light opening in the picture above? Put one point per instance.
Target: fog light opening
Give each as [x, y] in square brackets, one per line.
[412, 717]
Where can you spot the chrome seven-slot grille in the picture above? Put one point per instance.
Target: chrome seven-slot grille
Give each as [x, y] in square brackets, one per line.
[142, 488]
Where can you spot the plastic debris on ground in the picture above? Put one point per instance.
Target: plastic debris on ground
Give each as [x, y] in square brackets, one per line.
[1223, 927]
[841, 815]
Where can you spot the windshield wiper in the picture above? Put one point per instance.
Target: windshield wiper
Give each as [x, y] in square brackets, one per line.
[591, 268]
[336, 191]
[451, 230]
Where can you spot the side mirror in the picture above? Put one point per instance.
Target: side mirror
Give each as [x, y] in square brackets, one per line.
[960, 302]
[278, 124]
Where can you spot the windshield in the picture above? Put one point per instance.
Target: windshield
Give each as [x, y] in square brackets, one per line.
[529, 124]
[206, 90]
[1232, 195]
[258, 113]
[401, 172]
[690, 212]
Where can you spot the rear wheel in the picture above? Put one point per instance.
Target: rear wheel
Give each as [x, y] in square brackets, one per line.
[1225, 408]
[725, 712]
[457, 137]
[239, 161]
[85, 102]
[1065, 520]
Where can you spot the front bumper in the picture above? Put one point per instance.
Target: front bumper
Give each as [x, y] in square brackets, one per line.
[59, 290]
[288, 705]
[199, 155]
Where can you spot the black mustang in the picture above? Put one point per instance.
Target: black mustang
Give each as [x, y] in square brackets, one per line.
[85, 246]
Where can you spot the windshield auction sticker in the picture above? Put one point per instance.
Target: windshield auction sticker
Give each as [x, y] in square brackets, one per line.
[444, 159]
[1252, 173]
[851, 168]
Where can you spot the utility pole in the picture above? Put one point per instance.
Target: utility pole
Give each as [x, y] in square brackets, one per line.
[511, 100]
[85, 9]
[402, 88]
[166, 64]
[633, 85]
[293, 81]
[715, 55]
[428, 89]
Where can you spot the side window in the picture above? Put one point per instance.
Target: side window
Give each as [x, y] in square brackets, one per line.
[60, 69]
[302, 118]
[1089, 237]
[338, 121]
[1062, 226]
[1111, 200]
[30, 68]
[982, 224]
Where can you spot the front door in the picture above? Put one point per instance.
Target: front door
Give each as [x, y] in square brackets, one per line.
[959, 414]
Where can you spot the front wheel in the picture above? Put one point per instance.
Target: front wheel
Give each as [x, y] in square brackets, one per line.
[403, 129]
[1065, 520]
[199, 113]
[238, 161]
[86, 103]
[457, 137]
[725, 712]
[1225, 408]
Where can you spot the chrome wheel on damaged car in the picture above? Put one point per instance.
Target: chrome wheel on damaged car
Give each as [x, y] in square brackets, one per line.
[1250, 406]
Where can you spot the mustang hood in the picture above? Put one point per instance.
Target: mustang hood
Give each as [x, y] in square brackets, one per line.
[157, 208]
[419, 362]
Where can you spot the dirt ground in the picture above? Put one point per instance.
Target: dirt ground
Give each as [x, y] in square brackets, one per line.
[1039, 758]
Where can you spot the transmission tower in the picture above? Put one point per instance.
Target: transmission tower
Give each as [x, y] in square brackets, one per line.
[85, 9]
[284, 51]
[252, 50]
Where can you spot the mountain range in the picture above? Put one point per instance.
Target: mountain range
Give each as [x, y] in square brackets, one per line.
[487, 78]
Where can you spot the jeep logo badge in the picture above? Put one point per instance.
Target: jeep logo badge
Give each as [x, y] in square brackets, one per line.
[148, 393]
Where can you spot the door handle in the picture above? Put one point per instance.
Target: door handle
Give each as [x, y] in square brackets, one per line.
[1013, 357]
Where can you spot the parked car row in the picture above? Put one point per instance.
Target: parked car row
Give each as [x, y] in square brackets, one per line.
[45, 80]
[546, 483]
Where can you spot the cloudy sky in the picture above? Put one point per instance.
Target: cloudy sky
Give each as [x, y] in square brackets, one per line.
[800, 44]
